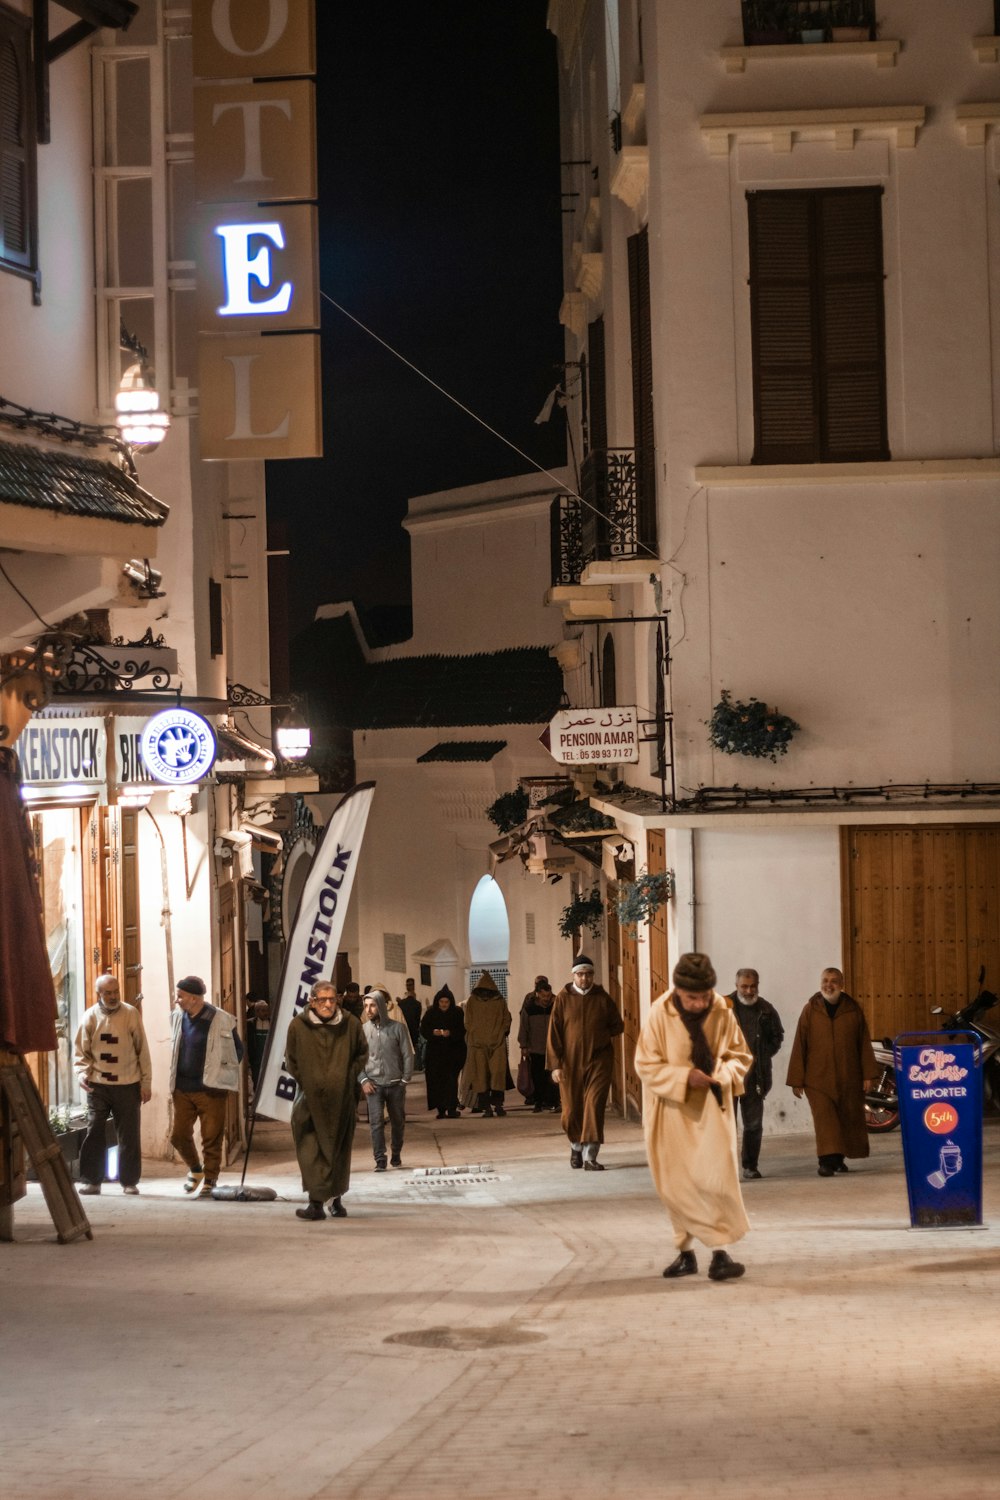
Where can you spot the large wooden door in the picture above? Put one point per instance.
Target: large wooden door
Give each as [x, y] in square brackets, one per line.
[659, 958]
[615, 991]
[921, 915]
[623, 986]
[128, 944]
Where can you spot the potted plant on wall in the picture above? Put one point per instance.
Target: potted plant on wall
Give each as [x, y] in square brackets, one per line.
[850, 21]
[639, 900]
[750, 728]
[583, 912]
[509, 810]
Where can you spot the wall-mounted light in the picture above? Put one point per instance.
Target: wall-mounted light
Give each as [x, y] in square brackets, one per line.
[141, 422]
[293, 737]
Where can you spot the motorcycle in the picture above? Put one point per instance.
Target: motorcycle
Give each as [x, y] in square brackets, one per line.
[882, 1100]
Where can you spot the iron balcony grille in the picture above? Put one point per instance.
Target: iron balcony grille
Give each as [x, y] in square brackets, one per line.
[617, 519]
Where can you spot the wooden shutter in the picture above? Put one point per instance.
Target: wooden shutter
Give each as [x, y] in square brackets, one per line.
[17, 145]
[597, 386]
[642, 384]
[818, 325]
[131, 969]
[659, 964]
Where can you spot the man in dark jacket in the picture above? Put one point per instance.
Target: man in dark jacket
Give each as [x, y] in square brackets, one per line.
[533, 1039]
[763, 1033]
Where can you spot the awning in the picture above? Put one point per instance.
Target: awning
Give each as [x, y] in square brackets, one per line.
[238, 755]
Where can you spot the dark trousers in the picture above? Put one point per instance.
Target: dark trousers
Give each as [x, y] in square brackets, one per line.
[391, 1097]
[544, 1091]
[752, 1106]
[121, 1102]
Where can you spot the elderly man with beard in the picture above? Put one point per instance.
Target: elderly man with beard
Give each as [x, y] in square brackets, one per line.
[761, 1026]
[116, 1074]
[580, 1058]
[693, 1059]
[832, 1062]
[325, 1052]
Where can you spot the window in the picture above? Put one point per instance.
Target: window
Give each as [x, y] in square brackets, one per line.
[18, 236]
[609, 685]
[642, 385]
[818, 326]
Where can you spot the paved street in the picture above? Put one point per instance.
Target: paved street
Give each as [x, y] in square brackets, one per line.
[509, 1336]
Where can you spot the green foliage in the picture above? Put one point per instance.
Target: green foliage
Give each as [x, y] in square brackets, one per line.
[66, 1117]
[509, 810]
[583, 912]
[639, 900]
[750, 728]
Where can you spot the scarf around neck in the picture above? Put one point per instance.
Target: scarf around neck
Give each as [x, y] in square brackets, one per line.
[701, 1052]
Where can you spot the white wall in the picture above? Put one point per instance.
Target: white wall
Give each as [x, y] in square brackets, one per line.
[770, 900]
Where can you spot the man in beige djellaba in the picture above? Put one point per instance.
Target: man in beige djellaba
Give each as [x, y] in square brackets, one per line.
[692, 1057]
[487, 1022]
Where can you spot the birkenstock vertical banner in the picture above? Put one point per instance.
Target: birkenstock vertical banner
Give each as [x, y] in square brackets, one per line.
[312, 947]
[940, 1083]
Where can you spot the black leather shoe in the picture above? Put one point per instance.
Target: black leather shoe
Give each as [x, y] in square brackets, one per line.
[311, 1211]
[841, 1167]
[440, 1114]
[499, 1110]
[593, 1166]
[686, 1264]
[751, 1174]
[396, 1161]
[454, 1114]
[337, 1210]
[824, 1171]
[381, 1164]
[576, 1158]
[723, 1267]
[536, 1109]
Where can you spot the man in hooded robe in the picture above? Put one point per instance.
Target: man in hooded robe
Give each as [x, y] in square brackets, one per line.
[385, 1075]
[832, 1062]
[693, 1058]
[325, 1052]
[487, 1023]
[580, 1058]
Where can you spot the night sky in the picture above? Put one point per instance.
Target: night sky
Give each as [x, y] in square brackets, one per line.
[440, 228]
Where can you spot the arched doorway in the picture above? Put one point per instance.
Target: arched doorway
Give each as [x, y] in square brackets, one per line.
[489, 934]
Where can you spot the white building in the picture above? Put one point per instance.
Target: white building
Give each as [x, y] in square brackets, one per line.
[782, 286]
[444, 723]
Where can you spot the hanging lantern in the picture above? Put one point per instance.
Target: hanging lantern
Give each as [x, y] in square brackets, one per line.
[141, 422]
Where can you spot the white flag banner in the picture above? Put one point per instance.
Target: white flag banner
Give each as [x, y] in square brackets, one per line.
[312, 947]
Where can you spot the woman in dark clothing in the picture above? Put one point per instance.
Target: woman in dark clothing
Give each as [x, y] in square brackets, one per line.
[443, 1028]
[533, 1037]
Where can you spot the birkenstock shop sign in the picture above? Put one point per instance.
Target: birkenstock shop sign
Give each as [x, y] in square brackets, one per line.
[258, 270]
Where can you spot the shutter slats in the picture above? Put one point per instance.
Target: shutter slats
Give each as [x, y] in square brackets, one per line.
[16, 145]
[640, 324]
[817, 322]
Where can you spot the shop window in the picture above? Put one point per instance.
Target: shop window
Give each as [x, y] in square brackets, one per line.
[818, 325]
[18, 214]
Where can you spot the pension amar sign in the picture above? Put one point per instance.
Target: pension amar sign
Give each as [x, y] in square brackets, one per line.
[596, 736]
[258, 272]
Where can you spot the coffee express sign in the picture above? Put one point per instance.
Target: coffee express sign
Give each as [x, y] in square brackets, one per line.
[258, 273]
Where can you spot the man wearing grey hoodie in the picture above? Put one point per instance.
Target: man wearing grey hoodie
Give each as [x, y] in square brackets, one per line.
[386, 1073]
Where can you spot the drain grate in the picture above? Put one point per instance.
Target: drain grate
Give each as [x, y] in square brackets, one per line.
[446, 1177]
[466, 1338]
[479, 1166]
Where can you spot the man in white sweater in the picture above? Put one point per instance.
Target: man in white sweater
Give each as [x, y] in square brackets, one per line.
[116, 1074]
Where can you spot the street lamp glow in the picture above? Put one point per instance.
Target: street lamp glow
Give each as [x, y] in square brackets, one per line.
[140, 421]
[293, 741]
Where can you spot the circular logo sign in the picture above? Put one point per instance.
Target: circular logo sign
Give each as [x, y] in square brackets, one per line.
[941, 1118]
[177, 747]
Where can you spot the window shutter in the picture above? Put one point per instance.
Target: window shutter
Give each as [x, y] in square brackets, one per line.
[17, 248]
[817, 324]
[597, 386]
[852, 324]
[642, 385]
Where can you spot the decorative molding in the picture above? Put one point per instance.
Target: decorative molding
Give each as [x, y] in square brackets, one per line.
[882, 53]
[780, 129]
[976, 119]
[987, 48]
[630, 179]
[590, 274]
[116, 668]
[769, 476]
[634, 115]
[573, 313]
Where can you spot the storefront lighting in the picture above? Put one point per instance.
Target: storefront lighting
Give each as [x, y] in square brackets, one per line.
[292, 736]
[67, 791]
[130, 796]
[140, 421]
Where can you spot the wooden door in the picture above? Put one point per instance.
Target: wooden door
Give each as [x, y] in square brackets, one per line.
[659, 959]
[615, 991]
[921, 914]
[128, 934]
[630, 1015]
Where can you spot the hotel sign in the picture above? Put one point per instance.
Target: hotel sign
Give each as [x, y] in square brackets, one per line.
[594, 736]
[258, 264]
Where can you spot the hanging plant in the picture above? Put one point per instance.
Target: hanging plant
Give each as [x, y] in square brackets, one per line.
[583, 912]
[509, 810]
[750, 728]
[640, 900]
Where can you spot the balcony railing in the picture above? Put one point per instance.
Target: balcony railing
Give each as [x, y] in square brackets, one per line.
[776, 21]
[617, 519]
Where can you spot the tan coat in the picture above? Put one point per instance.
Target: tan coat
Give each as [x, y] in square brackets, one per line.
[831, 1060]
[487, 1022]
[690, 1141]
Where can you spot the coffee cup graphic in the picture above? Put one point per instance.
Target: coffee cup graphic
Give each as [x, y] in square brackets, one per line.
[950, 1164]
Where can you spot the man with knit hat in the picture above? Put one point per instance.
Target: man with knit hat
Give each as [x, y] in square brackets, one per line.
[692, 1057]
[205, 1058]
[580, 1057]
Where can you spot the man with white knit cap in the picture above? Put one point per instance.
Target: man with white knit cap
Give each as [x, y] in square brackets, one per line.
[692, 1057]
[580, 1057]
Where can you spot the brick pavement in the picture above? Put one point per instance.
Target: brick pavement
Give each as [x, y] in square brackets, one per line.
[209, 1350]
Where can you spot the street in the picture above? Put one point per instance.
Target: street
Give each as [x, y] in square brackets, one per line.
[509, 1335]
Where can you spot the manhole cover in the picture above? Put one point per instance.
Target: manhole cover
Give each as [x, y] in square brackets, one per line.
[466, 1338]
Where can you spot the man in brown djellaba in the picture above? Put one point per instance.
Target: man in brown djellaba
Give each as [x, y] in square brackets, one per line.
[324, 1052]
[832, 1063]
[580, 1057]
